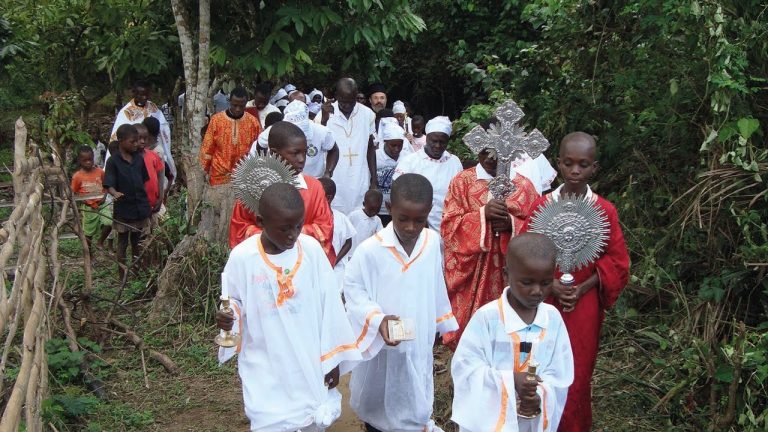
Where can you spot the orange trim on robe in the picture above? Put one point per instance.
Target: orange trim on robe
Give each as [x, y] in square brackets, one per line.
[318, 219]
[226, 141]
[474, 257]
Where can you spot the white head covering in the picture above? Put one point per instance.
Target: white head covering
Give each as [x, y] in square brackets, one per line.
[297, 113]
[263, 138]
[439, 124]
[314, 107]
[282, 103]
[314, 93]
[279, 95]
[289, 88]
[398, 107]
[390, 129]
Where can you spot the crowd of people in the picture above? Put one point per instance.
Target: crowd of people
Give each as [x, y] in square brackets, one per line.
[383, 230]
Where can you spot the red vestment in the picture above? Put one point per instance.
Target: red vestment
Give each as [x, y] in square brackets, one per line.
[318, 218]
[583, 323]
[474, 256]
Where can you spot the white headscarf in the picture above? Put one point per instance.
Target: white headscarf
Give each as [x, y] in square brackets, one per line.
[314, 107]
[313, 93]
[297, 113]
[278, 96]
[439, 124]
[390, 129]
[289, 88]
[398, 107]
[282, 103]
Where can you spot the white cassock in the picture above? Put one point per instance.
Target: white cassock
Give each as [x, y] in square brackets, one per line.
[393, 389]
[488, 353]
[352, 176]
[343, 230]
[365, 227]
[289, 343]
[439, 172]
[269, 108]
[538, 171]
[132, 114]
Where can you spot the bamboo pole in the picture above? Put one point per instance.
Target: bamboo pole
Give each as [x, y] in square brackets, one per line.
[19, 154]
[12, 413]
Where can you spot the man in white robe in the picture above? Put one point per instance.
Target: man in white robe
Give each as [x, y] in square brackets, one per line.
[435, 163]
[260, 106]
[322, 152]
[352, 125]
[393, 389]
[135, 111]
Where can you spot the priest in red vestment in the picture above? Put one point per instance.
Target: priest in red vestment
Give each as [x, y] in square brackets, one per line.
[476, 231]
[596, 287]
[288, 141]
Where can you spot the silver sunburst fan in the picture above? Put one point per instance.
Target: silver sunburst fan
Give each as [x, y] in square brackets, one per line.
[577, 226]
[254, 173]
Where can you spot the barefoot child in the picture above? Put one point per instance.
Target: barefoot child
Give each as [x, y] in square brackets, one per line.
[396, 274]
[343, 231]
[124, 179]
[493, 355]
[88, 181]
[289, 313]
[596, 286]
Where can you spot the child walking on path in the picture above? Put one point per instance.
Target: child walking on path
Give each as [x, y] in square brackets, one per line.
[88, 180]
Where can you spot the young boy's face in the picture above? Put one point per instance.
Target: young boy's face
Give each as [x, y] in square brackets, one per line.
[281, 227]
[409, 218]
[372, 205]
[330, 197]
[85, 160]
[529, 280]
[576, 163]
[130, 144]
[418, 127]
[143, 138]
[294, 152]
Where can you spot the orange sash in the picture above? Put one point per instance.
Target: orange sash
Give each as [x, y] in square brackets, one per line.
[284, 278]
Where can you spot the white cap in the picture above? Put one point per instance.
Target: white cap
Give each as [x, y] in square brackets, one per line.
[439, 124]
[398, 107]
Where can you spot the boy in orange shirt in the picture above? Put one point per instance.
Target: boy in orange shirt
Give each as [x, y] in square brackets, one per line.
[88, 181]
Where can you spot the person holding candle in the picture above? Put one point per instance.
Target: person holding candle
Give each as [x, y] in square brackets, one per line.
[295, 337]
[506, 340]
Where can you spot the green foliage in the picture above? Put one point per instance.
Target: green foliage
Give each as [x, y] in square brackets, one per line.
[307, 40]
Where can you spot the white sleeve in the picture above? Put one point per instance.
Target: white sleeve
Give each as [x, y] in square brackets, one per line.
[365, 315]
[483, 396]
[556, 375]
[235, 284]
[328, 141]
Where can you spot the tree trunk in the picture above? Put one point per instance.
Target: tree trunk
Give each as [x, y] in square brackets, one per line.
[214, 204]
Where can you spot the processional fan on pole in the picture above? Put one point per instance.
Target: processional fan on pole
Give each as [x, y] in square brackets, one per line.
[252, 175]
[578, 227]
[505, 140]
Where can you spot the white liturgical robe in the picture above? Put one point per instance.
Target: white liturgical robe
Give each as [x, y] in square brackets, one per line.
[487, 356]
[439, 172]
[291, 336]
[352, 175]
[393, 389]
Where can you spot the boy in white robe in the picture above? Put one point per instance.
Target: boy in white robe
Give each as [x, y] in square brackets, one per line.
[366, 220]
[396, 274]
[490, 364]
[343, 232]
[295, 336]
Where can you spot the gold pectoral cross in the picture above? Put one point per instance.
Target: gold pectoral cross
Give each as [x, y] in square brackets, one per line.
[350, 155]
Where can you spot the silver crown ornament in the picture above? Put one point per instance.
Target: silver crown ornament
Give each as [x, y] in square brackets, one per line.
[578, 227]
[254, 173]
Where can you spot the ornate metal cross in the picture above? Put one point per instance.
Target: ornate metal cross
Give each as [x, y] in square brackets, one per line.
[507, 139]
[254, 173]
